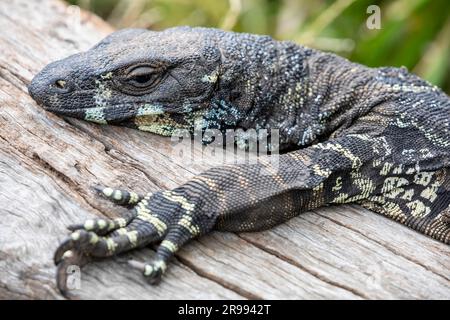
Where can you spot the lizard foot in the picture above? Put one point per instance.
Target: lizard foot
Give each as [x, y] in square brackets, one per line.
[164, 215]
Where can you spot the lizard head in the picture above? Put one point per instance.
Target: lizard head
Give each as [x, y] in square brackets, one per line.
[154, 81]
[181, 78]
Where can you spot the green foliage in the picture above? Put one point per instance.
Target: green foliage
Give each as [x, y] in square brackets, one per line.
[414, 33]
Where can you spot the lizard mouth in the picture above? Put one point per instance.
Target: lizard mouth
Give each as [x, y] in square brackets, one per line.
[134, 108]
[119, 113]
[103, 115]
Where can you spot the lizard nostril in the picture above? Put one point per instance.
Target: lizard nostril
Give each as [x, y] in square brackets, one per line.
[61, 84]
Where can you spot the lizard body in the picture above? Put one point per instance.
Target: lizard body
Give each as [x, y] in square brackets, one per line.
[378, 137]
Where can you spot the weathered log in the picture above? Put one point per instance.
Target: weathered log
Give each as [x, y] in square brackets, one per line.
[48, 164]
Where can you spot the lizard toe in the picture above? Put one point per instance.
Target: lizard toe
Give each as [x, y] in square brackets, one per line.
[152, 271]
[119, 196]
[99, 226]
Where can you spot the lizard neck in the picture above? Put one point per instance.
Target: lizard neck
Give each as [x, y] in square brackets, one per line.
[339, 92]
[281, 85]
[266, 80]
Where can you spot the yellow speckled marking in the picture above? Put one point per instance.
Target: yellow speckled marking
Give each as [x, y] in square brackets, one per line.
[365, 185]
[159, 264]
[398, 170]
[186, 222]
[386, 168]
[395, 193]
[94, 238]
[148, 195]
[108, 192]
[338, 184]
[423, 178]
[318, 188]
[134, 198]
[341, 198]
[392, 183]
[107, 76]
[159, 124]
[132, 237]
[323, 172]
[68, 254]
[408, 195]
[389, 209]
[172, 247]
[185, 204]
[430, 192]
[418, 208]
[211, 78]
[410, 170]
[101, 223]
[121, 222]
[89, 224]
[111, 245]
[121, 231]
[117, 195]
[96, 115]
[159, 225]
[157, 129]
[75, 236]
[149, 109]
[356, 161]
[142, 209]
[148, 270]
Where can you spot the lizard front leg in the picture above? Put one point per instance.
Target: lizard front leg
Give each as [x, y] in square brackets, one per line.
[245, 197]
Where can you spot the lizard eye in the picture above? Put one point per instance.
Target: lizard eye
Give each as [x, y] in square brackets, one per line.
[143, 77]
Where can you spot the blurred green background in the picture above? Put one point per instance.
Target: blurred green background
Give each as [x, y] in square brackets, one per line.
[414, 33]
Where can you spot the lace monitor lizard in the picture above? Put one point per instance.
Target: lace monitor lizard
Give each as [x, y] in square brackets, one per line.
[378, 137]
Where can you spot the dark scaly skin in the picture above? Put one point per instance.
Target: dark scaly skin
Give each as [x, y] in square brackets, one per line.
[378, 137]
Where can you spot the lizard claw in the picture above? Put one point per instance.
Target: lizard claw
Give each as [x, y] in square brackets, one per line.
[152, 271]
[140, 266]
[69, 263]
[98, 188]
[61, 250]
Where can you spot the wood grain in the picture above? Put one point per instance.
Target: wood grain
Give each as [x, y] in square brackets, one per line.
[48, 164]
